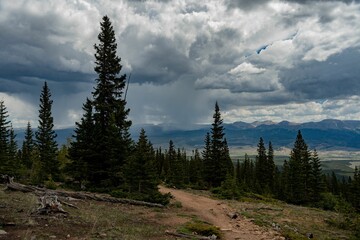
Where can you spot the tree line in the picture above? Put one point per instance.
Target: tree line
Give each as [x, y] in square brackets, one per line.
[102, 157]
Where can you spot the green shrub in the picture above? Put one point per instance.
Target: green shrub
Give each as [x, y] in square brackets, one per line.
[153, 197]
[203, 229]
[229, 189]
[50, 184]
[328, 201]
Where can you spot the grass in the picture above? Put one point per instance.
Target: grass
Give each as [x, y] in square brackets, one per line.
[293, 221]
[93, 220]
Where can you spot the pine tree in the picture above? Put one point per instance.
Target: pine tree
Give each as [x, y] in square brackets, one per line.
[247, 174]
[175, 174]
[81, 152]
[112, 138]
[140, 173]
[227, 163]
[355, 190]
[4, 139]
[45, 138]
[270, 168]
[334, 184]
[316, 186]
[299, 172]
[27, 149]
[261, 166]
[196, 170]
[13, 157]
[207, 160]
[219, 160]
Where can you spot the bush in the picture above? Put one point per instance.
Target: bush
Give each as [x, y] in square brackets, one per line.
[229, 189]
[328, 201]
[154, 197]
[50, 184]
[203, 229]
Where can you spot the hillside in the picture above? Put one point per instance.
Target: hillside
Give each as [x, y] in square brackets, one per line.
[98, 220]
[324, 135]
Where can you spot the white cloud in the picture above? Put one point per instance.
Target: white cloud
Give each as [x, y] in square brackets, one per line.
[20, 111]
[246, 68]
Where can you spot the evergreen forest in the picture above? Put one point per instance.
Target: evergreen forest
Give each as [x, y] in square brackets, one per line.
[102, 157]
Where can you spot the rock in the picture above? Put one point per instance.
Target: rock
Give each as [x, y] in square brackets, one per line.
[2, 232]
[213, 237]
[233, 215]
[310, 235]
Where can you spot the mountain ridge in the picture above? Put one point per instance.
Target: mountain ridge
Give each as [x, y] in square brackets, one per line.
[325, 134]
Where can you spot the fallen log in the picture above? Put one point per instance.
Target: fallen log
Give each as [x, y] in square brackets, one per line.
[190, 236]
[78, 195]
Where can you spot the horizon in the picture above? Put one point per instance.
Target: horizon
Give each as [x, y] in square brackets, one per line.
[264, 122]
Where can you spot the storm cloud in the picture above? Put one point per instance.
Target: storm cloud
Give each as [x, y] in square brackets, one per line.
[261, 60]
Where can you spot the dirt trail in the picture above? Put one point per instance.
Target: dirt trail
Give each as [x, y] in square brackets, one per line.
[216, 212]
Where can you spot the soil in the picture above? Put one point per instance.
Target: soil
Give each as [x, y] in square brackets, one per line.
[216, 212]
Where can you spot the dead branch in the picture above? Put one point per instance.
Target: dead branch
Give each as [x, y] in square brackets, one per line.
[190, 236]
[50, 204]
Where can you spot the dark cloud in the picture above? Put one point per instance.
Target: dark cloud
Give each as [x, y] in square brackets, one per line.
[183, 55]
[154, 59]
[321, 1]
[246, 4]
[334, 78]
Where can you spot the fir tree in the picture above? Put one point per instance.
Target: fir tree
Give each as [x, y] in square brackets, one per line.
[355, 190]
[4, 139]
[45, 138]
[334, 184]
[207, 160]
[83, 163]
[175, 174]
[27, 150]
[299, 172]
[140, 173]
[13, 157]
[112, 138]
[261, 166]
[196, 170]
[227, 164]
[270, 168]
[316, 186]
[219, 159]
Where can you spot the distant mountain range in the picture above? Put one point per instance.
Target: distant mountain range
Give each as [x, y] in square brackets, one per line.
[329, 134]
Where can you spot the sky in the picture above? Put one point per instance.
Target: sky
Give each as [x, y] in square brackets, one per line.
[259, 59]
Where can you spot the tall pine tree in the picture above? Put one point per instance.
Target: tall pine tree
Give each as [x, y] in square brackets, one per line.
[112, 139]
[217, 161]
[45, 138]
[299, 172]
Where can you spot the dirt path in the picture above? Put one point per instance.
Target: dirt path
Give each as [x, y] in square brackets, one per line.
[216, 213]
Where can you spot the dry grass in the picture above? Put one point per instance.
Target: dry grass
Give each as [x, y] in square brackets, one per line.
[293, 221]
[93, 220]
